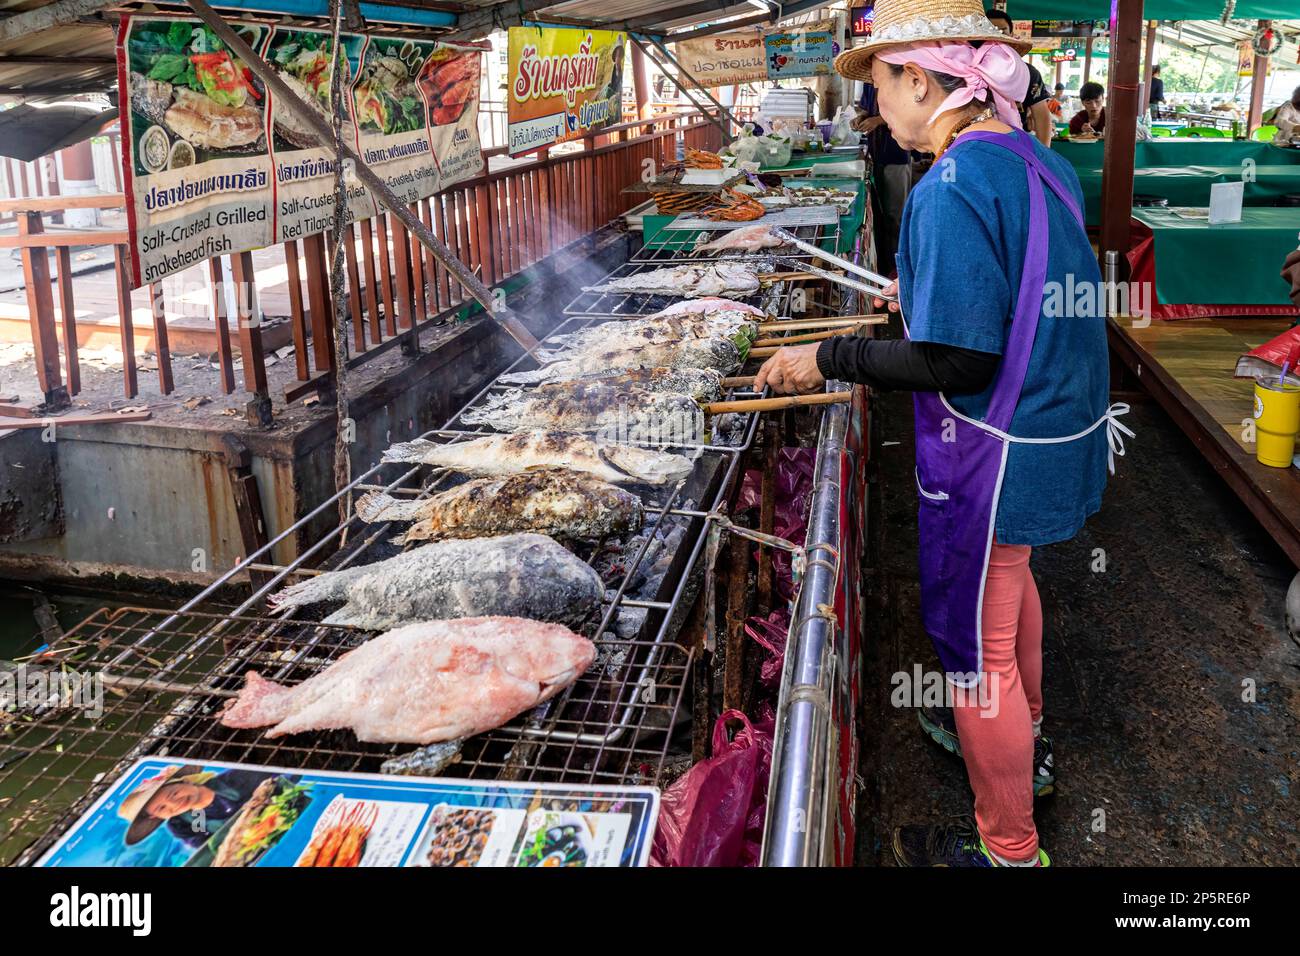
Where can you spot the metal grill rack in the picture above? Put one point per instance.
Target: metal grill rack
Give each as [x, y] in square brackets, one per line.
[167, 674]
[678, 245]
[775, 299]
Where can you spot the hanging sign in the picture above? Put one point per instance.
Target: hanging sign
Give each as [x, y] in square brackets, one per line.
[213, 165]
[799, 54]
[563, 84]
[861, 20]
[724, 59]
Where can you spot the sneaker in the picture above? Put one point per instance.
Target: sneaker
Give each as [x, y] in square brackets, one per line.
[941, 727]
[956, 844]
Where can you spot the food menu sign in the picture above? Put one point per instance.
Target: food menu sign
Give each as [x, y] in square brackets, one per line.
[724, 59]
[169, 813]
[563, 84]
[213, 165]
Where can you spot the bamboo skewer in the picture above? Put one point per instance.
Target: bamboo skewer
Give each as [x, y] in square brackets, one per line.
[791, 276]
[738, 381]
[804, 338]
[797, 325]
[776, 404]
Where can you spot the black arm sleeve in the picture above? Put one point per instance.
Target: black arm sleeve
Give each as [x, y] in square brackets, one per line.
[907, 365]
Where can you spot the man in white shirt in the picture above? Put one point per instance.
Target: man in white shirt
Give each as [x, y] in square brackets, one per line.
[1287, 120]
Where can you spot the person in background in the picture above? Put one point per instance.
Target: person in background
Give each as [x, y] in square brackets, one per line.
[1034, 115]
[1091, 120]
[1157, 91]
[1287, 120]
[1056, 105]
[893, 166]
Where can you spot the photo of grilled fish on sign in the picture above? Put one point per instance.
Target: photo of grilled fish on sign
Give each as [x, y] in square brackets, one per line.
[554, 501]
[422, 683]
[516, 575]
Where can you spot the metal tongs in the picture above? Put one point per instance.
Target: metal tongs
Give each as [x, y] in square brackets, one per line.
[879, 282]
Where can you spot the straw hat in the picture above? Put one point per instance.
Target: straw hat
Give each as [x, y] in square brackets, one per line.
[898, 22]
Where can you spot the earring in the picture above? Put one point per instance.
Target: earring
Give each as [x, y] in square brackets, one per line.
[918, 97]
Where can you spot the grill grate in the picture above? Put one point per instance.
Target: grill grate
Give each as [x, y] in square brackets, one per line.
[163, 698]
[678, 245]
[775, 299]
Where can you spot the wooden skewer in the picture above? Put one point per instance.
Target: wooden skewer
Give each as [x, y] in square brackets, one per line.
[787, 276]
[803, 338]
[739, 381]
[776, 404]
[798, 325]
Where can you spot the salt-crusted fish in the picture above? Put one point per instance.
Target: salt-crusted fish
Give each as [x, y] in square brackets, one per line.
[206, 123]
[614, 412]
[422, 683]
[701, 384]
[522, 451]
[730, 279]
[518, 575]
[720, 354]
[735, 325]
[555, 501]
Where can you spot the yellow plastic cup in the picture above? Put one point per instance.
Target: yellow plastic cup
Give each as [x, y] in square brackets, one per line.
[1277, 419]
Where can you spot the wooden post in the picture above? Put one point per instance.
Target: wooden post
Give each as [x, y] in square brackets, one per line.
[1148, 63]
[1087, 60]
[1258, 75]
[641, 81]
[123, 284]
[249, 322]
[68, 319]
[225, 361]
[1121, 130]
[40, 312]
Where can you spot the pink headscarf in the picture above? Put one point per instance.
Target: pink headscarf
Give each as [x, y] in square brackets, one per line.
[995, 67]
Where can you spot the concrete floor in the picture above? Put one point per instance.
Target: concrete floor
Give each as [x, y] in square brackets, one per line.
[1144, 670]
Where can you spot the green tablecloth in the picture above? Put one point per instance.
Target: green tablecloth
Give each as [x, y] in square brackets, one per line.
[1230, 264]
[1190, 185]
[849, 224]
[804, 160]
[1173, 151]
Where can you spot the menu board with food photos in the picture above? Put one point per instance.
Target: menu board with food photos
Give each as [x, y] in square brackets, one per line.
[213, 165]
[168, 812]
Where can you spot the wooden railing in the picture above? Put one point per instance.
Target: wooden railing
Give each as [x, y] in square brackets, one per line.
[500, 224]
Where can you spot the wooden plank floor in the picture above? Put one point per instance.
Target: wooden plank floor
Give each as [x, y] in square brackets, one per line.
[1188, 366]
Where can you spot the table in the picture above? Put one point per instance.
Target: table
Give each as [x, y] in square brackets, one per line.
[1183, 152]
[1190, 185]
[1234, 266]
[652, 223]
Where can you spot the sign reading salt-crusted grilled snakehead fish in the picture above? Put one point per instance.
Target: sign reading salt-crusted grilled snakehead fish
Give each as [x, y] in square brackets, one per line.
[213, 165]
[564, 84]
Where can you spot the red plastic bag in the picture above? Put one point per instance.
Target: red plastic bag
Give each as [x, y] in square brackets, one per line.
[713, 814]
[770, 633]
[1267, 360]
[793, 491]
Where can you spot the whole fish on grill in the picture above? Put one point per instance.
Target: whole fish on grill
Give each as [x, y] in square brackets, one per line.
[518, 575]
[426, 762]
[731, 279]
[621, 413]
[523, 451]
[701, 384]
[721, 355]
[423, 683]
[617, 334]
[555, 501]
[745, 239]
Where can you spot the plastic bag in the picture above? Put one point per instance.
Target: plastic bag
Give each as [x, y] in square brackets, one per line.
[842, 132]
[770, 151]
[770, 633]
[713, 814]
[1267, 360]
[793, 492]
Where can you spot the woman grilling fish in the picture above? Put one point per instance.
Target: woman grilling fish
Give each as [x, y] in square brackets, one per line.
[1012, 426]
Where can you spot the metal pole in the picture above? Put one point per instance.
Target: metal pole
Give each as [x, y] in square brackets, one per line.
[726, 134]
[316, 123]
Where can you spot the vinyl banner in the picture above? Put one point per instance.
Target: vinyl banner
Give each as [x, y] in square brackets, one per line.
[724, 59]
[212, 165]
[563, 84]
[800, 54]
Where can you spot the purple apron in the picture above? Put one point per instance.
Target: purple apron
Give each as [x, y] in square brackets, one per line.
[960, 462]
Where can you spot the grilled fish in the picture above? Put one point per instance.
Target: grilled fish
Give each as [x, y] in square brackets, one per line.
[730, 279]
[614, 412]
[423, 683]
[555, 501]
[206, 123]
[745, 239]
[721, 355]
[653, 330]
[523, 451]
[518, 575]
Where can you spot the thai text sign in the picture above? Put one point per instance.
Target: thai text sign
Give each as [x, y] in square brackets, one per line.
[724, 59]
[213, 165]
[563, 84]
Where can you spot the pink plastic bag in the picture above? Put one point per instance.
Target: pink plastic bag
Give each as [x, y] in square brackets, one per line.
[770, 633]
[794, 479]
[713, 814]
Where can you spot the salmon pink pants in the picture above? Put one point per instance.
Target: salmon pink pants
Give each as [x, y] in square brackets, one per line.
[996, 725]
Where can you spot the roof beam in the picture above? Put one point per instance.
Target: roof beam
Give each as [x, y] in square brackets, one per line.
[676, 13]
[479, 23]
[57, 14]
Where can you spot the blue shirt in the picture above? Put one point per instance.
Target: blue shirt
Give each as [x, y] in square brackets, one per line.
[961, 252]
